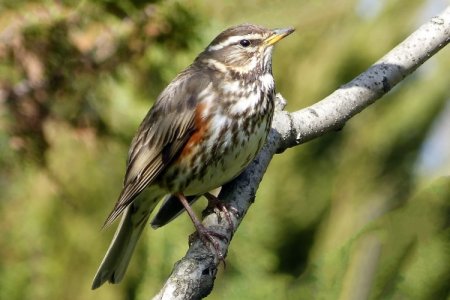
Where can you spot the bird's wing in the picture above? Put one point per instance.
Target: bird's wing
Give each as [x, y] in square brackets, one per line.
[161, 135]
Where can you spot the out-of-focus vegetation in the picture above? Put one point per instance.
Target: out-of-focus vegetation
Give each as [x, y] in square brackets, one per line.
[343, 217]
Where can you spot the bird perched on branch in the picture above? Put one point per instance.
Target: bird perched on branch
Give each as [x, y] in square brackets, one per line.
[205, 127]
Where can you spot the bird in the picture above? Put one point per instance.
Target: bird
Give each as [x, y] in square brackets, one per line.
[203, 130]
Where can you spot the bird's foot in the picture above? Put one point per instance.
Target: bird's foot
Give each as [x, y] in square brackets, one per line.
[218, 206]
[209, 237]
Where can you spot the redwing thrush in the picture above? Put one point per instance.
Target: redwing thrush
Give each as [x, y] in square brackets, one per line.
[204, 129]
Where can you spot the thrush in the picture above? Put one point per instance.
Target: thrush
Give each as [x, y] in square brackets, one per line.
[205, 127]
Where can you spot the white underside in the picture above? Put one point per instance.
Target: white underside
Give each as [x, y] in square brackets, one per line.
[234, 162]
[233, 158]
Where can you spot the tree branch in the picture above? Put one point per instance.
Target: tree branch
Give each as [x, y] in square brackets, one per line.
[193, 276]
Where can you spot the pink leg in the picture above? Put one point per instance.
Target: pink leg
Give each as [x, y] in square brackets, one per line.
[207, 236]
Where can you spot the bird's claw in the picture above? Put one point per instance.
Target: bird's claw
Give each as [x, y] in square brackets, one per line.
[209, 237]
[218, 206]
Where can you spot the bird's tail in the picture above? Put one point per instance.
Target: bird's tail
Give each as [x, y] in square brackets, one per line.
[170, 209]
[117, 258]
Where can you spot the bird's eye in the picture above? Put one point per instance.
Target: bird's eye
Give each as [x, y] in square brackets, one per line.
[244, 43]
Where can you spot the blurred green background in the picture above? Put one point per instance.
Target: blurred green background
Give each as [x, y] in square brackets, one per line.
[358, 214]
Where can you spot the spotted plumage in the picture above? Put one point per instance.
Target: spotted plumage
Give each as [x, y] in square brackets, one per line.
[203, 130]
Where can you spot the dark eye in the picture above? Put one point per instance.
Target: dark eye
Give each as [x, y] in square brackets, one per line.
[244, 43]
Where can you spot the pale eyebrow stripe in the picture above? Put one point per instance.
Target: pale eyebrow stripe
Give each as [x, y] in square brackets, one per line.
[233, 39]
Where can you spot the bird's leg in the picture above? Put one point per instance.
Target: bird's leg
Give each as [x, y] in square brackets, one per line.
[215, 203]
[205, 234]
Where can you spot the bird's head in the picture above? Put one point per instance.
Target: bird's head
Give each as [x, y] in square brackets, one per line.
[243, 49]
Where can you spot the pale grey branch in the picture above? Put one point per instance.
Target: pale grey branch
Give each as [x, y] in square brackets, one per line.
[193, 276]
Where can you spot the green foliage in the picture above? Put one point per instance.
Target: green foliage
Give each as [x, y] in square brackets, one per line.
[342, 217]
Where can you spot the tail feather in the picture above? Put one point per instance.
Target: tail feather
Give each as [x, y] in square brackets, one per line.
[170, 209]
[117, 258]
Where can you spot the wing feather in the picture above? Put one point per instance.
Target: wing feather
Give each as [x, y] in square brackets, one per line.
[162, 134]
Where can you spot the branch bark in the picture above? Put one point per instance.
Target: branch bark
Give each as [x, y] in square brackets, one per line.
[193, 276]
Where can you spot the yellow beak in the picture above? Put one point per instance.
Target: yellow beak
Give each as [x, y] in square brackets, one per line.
[277, 35]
